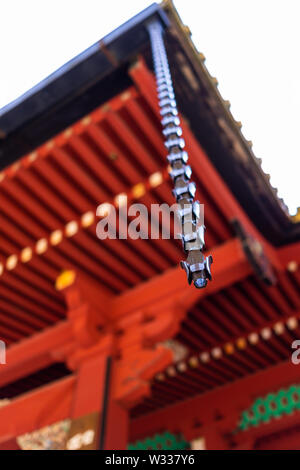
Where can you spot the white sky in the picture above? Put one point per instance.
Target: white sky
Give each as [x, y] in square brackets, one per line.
[251, 46]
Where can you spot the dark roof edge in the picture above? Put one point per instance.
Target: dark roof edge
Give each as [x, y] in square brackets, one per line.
[26, 107]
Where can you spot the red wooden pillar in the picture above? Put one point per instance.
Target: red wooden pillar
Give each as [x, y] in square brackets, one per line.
[89, 391]
[116, 426]
[11, 444]
[94, 399]
[113, 371]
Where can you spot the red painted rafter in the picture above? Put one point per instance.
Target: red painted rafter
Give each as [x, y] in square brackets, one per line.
[63, 188]
[69, 170]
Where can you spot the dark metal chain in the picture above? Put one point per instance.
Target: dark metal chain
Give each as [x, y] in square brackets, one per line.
[196, 266]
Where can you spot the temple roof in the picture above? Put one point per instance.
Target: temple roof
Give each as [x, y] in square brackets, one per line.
[100, 72]
[90, 134]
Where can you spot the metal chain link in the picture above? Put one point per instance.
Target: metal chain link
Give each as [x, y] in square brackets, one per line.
[196, 266]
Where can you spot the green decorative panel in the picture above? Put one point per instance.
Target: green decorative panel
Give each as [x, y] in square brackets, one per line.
[273, 405]
[165, 441]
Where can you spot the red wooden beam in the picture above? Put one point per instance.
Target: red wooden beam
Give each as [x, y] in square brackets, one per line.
[226, 401]
[171, 287]
[37, 409]
[72, 397]
[230, 265]
[34, 353]
[283, 433]
[165, 291]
